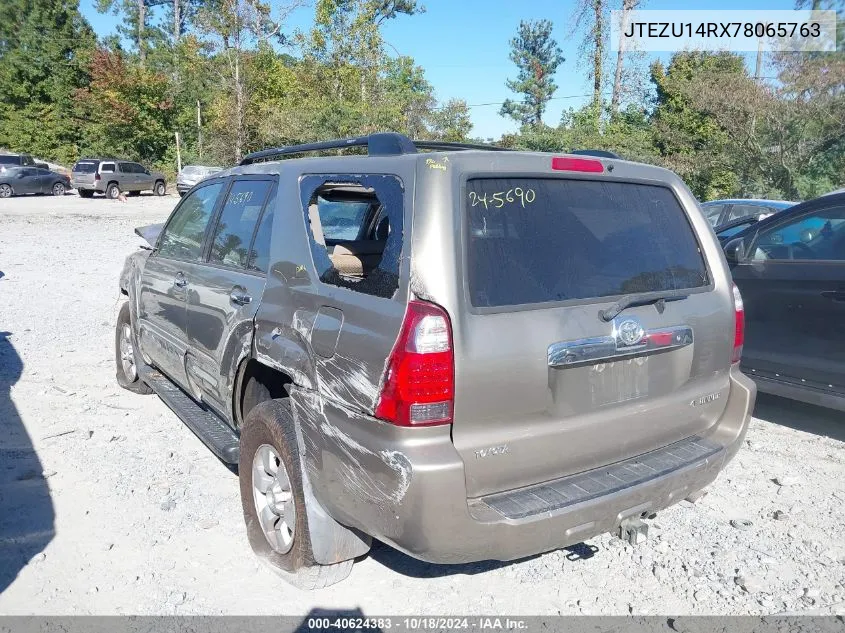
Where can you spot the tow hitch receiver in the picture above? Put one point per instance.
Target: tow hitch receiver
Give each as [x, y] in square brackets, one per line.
[633, 531]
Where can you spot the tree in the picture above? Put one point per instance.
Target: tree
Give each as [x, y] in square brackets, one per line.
[43, 59]
[451, 122]
[627, 7]
[590, 17]
[688, 139]
[537, 57]
[234, 29]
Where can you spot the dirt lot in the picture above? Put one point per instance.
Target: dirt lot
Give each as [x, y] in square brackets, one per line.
[109, 505]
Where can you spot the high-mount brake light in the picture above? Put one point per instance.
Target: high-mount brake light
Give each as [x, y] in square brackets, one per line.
[419, 382]
[589, 165]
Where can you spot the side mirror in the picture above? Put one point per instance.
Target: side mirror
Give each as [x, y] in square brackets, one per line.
[735, 251]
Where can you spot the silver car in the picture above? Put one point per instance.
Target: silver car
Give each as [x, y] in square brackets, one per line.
[463, 353]
[191, 175]
[113, 177]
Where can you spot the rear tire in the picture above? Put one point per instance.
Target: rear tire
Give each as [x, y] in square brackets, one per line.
[160, 188]
[273, 500]
[126, 356]
[58, 189]
[85, 193]
[112, 191]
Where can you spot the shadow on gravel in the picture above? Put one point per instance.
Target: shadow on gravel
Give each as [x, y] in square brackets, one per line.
[801, 417]
[26, 510]
[403, 564]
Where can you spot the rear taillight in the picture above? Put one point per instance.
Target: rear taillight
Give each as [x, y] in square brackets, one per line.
[97, 176]
[419, 382]
[589, 165]
[739, 326]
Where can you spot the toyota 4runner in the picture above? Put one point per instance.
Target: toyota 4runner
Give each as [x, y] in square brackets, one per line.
[464, 353]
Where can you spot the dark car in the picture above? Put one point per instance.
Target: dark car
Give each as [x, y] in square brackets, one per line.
[720, 212]
[464, 354]
[790, 269]
[17, 181]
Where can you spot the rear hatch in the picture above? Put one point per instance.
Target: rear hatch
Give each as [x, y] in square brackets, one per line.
[84, 173]
[548, 380]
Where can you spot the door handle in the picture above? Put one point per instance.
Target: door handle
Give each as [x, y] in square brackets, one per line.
[238, 297]
[834, 295]
[180, 281]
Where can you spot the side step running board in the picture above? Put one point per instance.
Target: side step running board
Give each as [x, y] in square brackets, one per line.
[207, 426]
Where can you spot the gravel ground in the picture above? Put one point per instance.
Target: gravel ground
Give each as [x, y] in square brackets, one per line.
[109, 505]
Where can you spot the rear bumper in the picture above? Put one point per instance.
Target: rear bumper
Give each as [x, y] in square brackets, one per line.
[406, 487]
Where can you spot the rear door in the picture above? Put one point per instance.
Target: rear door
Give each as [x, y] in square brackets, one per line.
[793, 288]
[228, 287]
[167, 279]
[27, 181]
[546, 384]
[127, 179]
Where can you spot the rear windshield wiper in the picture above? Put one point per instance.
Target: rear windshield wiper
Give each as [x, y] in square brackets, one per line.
[637, 300]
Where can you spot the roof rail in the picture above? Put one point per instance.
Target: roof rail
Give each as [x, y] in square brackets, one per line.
[379, 144]
[596, 152]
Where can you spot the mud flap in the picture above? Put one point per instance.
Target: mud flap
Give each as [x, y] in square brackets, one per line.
[331, 542]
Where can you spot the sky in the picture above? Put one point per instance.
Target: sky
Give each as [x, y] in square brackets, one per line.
[463, 45]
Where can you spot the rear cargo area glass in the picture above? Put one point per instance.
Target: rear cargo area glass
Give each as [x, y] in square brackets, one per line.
[541, 240]
[85, 168]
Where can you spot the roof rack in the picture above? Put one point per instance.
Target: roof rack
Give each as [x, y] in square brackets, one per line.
[379, 144]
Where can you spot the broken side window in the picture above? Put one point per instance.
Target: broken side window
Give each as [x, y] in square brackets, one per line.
[355, 227]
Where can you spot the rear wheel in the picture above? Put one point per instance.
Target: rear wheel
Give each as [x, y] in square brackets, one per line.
[5, 191]
[112, 191]
[58, 189]
[125, 357]
[273, 500]
[85, 193]
[159, 189]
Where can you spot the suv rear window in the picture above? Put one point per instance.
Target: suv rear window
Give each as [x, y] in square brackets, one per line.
[85, 168]
[541, 240]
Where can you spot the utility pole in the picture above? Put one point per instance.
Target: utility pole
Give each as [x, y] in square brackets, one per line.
[199, 127]
[178, 154]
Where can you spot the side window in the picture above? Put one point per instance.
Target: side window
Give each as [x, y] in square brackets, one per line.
[183, 236]
[712, 213]
[233, 233]
[259, 258]
[745, 210]
[342, 219]
[107, 167]
[138, 169]
[349, 248]
[815, 236]
[124, 168]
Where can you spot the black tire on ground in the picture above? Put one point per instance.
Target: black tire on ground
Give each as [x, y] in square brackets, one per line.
[6, 191]
[85, 193]
[112, 191]
[58, 189]
[126, 378]
[159, 188]
[181, 194]
[271, 423]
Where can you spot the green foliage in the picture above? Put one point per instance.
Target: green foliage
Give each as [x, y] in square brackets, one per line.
[537, 56]
[43, 59]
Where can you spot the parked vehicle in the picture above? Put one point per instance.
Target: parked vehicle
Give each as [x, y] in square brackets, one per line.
[18, 160]
[720, 212]
[17, 181]
[466, 357]
[191, 175]
[791, 271]
[111, 177]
